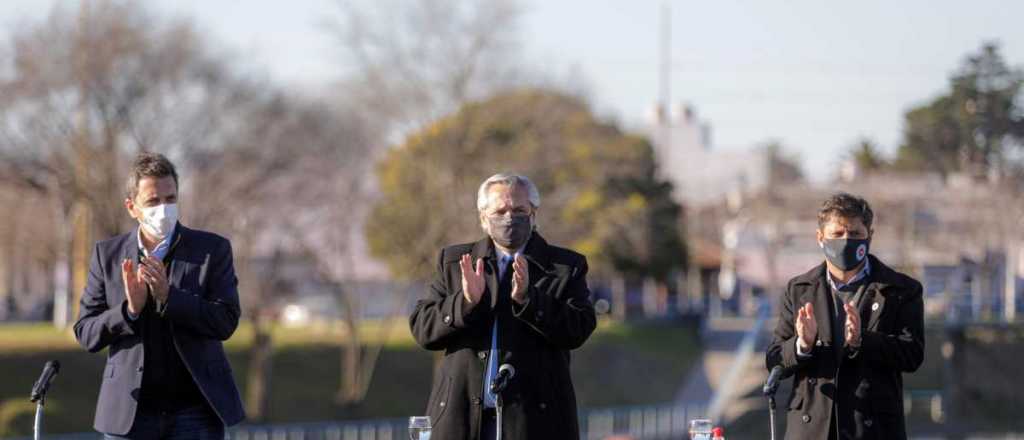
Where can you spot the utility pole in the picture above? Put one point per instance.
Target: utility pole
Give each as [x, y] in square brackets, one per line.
[664, 109]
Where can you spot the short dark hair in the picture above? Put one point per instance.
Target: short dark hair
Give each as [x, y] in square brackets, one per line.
[845, 205]
[148, 164]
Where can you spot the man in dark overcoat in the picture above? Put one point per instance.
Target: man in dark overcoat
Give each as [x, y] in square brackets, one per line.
[510, 298]
[847, 331]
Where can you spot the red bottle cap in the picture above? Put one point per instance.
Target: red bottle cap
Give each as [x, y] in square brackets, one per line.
[718, 432]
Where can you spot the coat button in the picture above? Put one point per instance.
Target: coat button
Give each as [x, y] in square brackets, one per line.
[441, 404]
[543, 406]
[139, 369]
[482, 355]
[477, 401]
[868, 423]
[812, 381]
[447, 319]
[806, 418]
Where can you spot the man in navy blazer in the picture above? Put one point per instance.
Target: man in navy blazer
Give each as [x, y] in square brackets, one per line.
[161, 299]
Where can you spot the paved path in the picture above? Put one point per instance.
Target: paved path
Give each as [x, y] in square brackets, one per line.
[722, 339]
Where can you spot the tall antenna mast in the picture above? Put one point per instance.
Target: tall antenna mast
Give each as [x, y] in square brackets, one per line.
[664, 107]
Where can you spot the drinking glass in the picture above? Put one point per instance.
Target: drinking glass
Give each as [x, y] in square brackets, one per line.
[419, 428]
[700, 429]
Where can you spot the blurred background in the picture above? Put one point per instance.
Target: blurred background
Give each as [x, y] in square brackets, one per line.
[684, 147]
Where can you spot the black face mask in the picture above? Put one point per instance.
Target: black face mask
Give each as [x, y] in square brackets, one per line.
[846, 253]
[510, 232]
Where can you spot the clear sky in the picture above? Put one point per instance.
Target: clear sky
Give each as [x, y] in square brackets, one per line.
[815, 75]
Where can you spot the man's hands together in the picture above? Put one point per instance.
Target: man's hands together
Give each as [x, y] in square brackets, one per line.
[473, 282]
[136, 278]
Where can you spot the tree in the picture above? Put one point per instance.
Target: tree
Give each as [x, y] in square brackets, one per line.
[331, 194]
[85, 90]
[415, 61]
[295, 171]
[972, 127]
[410, 62]
[88, 89]
[866, 156]
[599, 192]
[783, 167]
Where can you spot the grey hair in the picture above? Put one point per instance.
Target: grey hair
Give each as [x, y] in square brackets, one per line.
[510, 180]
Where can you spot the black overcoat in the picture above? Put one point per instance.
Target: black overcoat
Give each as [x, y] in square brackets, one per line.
[867, 383]
[535, 338]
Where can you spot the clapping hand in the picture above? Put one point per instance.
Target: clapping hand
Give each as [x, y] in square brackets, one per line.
[520, 279]
[806, 327]
[134, 287]
[472, 280]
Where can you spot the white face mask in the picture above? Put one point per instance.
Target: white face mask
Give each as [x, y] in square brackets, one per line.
[159, 220]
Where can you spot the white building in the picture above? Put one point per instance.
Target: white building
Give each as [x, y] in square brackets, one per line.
[700, 173]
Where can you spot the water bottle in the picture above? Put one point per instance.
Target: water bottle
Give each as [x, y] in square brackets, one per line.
[419, 428]
[700, 429]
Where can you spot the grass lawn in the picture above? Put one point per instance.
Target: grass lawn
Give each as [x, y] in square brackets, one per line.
[622, 364]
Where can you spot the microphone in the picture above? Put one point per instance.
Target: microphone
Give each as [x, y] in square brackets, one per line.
[42, 385]
[772, 384]
[505, 374]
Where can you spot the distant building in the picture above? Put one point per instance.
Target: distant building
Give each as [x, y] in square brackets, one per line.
[701, 174]
[961, 240]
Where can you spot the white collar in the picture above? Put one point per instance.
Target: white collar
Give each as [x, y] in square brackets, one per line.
[138, 237]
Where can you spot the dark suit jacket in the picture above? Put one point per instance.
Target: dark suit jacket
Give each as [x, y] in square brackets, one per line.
[203, 310]
[535, 338]
[866, 384]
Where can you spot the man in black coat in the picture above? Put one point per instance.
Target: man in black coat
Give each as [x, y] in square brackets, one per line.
[161, 299]
[510, 298]
[848, 330]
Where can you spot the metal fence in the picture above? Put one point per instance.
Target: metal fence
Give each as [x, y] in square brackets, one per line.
[654, 422]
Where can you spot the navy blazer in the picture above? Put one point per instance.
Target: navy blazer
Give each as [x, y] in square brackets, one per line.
[203, 310]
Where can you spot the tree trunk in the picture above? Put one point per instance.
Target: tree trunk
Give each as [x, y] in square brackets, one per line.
[62, 268]
[619, 306]
[257, 400]
[351, 360]
[359, 361]
[82, 242]
[8, 266]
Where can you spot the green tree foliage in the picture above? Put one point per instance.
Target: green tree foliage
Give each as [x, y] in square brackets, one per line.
[783, 167]
[866, 155]
[972, 126]
[599, 190]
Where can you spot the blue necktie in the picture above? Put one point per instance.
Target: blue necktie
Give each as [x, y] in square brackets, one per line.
[490, 399]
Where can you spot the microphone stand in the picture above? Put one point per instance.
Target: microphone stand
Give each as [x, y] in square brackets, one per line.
[499, 405]
[38, 395]
[498, 387]
[37, 429]
[770, 387]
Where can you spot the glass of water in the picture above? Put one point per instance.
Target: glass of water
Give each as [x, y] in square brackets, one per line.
[700, 429]
[419, 428]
